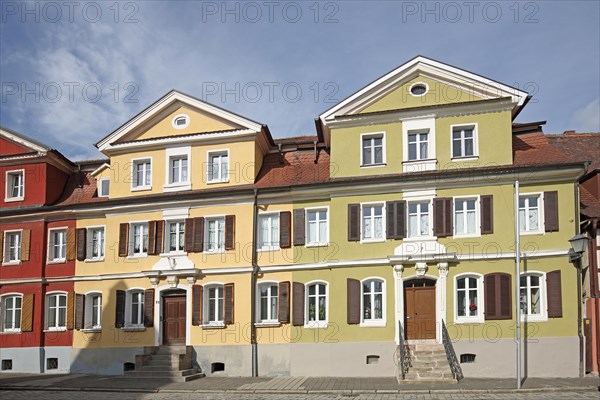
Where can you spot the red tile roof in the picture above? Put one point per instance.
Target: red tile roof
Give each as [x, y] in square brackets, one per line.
[80, 188]
[590, 205]
[579, 146]
[297, 167]
[535, 149]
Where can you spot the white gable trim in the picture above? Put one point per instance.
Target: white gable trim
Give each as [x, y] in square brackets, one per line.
[100, 169]
[21, 141]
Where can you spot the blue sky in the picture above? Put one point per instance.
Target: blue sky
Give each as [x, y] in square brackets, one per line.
[72, 72]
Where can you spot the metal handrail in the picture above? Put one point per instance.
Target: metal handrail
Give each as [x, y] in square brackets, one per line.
[451, 355]
[404, 362]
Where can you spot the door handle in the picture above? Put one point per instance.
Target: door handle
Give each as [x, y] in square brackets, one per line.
[408, 317]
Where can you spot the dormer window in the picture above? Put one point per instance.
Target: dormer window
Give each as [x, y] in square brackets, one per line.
[15, 185]
[181, 121]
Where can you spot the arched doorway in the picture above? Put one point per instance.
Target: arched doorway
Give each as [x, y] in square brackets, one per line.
[174, 316]
[419, 309]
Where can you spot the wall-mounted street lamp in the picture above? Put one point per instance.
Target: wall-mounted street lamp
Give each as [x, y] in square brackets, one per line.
[578, 247]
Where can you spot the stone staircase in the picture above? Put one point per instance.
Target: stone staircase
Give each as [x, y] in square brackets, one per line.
[428, 364]
[172, 363]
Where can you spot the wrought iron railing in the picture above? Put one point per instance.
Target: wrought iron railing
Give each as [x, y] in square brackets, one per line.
[404, 361]
[451, 355]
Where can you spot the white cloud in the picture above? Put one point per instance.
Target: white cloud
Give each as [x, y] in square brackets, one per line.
[587, 119]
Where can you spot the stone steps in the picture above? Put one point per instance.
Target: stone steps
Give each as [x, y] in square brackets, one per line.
[172, 363]
[428, 363]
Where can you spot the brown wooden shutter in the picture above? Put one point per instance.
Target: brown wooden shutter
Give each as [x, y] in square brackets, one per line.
[25, 244]
[229, 232]
[197, 305]
[198, 234]
[149, 308]
[506, 296]
[229, 303]
[123, 240]
[284, 303]
[120, 309]
[71, 244]
[392, 229]
[353, 301]
[487, 215]
[442, 217]
[298, 304]
[70, 310]
[152, 238]
[401, 219]
[81, 244]
[160, 236]
[551, 211]
[554, 294]
[79, 311]
[490, 296]
[27, 313]
[189, 235]
[498, 296]
[299, 227]
[285, 229]
[353, 222]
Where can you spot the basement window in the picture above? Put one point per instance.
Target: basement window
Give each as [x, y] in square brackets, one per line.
[467, 358]
[128, 366]
[372, 360]
[51, 363]
[6, 365]
[217, 367]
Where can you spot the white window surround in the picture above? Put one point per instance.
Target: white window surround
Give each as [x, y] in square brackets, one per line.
[416, 84]
[274, 320]
[88, 325]
[90, 243]
[258, 234]
[174, 215]
[479, 318]
[383, 149]
[174, 152]
[206, 323]
[8, 197]
[541, 222]
[477, 216]
[47, 311]
[179, 233]
[181, 126]
[3, 308]
[132, 252]
[214, 153]
[316, 324]
[419, 124]
[147, 185]
[101, 192]
[205, 245]
[373, 322]
[475, 155]
[50, 258]
[322, 241]
[543, 315]
[129, 309]
[5, 241]
[419, 237]
[383, 222]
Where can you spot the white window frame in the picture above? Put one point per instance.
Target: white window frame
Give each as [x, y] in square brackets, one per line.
[217, 153]
[541, 221]
[413, 125]
[480, 317]
[477, 232]
[417, 134]
[543, 315]
[50, 256]
[129, 308]
[475, 156]
[373, 322]
[57, 312]
[178, 116]
[4, 309]
[9, 185]
[5, 260]
[206, 243]
[206, 305]
[167, 242]
[100, 191]
[266, 215]
[172, 153]
[383, 222]
[430, 219]
[320, 242]
[89, 251]
[134, 183]
[317, 323]
[373, 135]
[274, 320]
[88, 323]
[132, 252]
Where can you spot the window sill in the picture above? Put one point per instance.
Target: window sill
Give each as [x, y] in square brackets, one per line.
[13, 199]
[466, 236]
[93, 260]
[174, 254]
[174, 187]
[11, 263]
[133, 329]
[213, 325]
[55, 329]
[373, 324]
[10, 331]
[140, 188]
[61, 261]
[468, 158]
[420, 238]
[317, 244]
[419, 165]
[373, 165]
[379, 240]
[534, 318]
[217, 181]
[525, 233]
[268, 249]
[91, 330]
[466, 320]
[267, 324]
[132, 256]
[316, 325]
[220, 251]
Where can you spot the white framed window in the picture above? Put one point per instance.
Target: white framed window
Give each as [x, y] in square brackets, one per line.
[373, 302]
[134, 308]
[180, 121]
[12, 247]
[418, 145]
[419, 219]
[95, 240]
[468, 298]
[317, 227]
[466, 216]
[57, 245]
[372, 222]
[178, 169]
[268, 234]
[15, 185]
[11, 312]
[530, 213]
[93, 311]
[464, 141]
[532, 296]
[372, 149]
[56, 311]
[176, 239]
[138, 237]
[316, 304]
[217, 169]
[215, 234]
[141, 173]
[103, 187]
[214, 304]
[268, 302]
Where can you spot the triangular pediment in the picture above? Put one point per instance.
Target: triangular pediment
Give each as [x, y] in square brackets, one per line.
[13, 143]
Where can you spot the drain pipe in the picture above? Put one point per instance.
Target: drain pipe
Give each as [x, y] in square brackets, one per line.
[255, 270]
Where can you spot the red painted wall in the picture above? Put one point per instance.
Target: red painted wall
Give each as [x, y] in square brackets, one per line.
[35, 185]
[55, 183]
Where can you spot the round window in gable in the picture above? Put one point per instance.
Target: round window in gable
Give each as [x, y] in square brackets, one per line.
[418, 89]
[181, 121]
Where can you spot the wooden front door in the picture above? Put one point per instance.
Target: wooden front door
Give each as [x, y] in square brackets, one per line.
[419, 309]
[174, 320]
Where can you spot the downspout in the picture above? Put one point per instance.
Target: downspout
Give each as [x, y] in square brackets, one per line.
[596, 296]
[255, 270]
[578, 268]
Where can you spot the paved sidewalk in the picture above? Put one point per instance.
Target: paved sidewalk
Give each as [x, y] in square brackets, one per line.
[77, 382]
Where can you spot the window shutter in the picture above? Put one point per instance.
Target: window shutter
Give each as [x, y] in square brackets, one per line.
[487, 215]
[71, 244]
[353, 303]
[123, 240]
[152, 238]
[198, 234]
[27, 313]
[159, 237]
[353, 222]
[197, 305]
[25, 244]
[70, 310]
[229, 303]
[189, 235]
[505, 296]
[149, 308]
[79, 311]
[551, 211]
[298, 304]
[120, 309]
[284, 302]
[285, 233]
[490, 296]
[299, 227]
[391, 220]
[229, 232]
[81, 244]
[554, 294]
[2, 246]
[442, 215]
[401, 219]
[498, 296]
